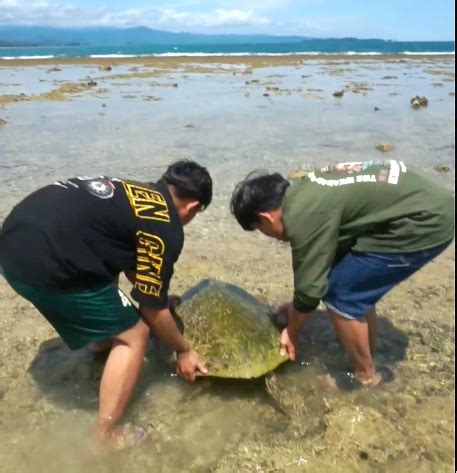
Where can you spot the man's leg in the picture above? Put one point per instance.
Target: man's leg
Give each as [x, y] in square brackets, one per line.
[354, 335]
[101, 346]
[372, 330]
[119, 378]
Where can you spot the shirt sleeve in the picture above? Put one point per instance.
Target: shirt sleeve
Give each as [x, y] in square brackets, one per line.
[313, 237]
[155, 259]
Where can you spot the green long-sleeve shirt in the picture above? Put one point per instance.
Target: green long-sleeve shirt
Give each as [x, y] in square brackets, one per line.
[365, 206]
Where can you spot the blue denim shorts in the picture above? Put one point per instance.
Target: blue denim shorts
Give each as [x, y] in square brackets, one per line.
[359, 280]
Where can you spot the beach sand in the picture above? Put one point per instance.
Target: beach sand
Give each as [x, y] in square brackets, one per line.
[252, 61]
[232, 115]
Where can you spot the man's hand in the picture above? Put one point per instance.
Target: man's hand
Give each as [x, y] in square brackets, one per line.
[289, 344]
[289, 336]
[284, 310]
[188, 365]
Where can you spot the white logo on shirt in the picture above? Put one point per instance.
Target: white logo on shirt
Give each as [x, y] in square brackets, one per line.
[125, 300]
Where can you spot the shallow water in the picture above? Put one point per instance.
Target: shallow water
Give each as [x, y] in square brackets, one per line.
[222, 121]
[48, 396]
[230, 426]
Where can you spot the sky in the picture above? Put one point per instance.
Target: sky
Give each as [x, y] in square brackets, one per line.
[389, 19]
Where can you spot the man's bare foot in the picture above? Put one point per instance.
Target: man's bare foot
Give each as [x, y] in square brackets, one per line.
[371, 381]
[119, 438]
[327, 381]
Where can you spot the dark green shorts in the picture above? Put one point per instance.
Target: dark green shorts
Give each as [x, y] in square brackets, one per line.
[83, 317]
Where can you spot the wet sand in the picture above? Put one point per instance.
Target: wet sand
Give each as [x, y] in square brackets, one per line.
[252, 61]
[196, 64]
[132, 124]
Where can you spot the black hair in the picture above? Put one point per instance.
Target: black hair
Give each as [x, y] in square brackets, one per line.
[257, 194]
[190, 180]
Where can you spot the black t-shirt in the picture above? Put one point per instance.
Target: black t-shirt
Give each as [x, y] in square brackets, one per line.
[80, 234]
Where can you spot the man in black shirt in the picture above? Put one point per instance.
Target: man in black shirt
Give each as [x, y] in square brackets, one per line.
[63, 248]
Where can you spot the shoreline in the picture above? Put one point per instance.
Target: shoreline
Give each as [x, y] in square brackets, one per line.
[254, 61]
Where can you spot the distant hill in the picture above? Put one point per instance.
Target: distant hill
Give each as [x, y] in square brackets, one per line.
[12, 36]
[140, 35]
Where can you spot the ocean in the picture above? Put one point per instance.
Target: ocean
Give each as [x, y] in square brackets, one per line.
[348, 46]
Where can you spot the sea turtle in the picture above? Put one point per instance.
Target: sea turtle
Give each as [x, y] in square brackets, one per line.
[235, 336]
[230, 329]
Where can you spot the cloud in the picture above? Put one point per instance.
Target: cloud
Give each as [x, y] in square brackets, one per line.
[59, 14]
[212, 19]
[40, 12]
[166, 17]
[229, 16]
[254, 5]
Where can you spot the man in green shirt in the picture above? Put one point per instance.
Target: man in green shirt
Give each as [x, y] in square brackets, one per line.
[356, 230]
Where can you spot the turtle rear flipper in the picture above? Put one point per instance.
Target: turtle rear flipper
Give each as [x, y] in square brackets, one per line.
[295, 393]
[271, 387]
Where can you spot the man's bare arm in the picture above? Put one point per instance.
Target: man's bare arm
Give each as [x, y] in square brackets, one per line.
[163, 325]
